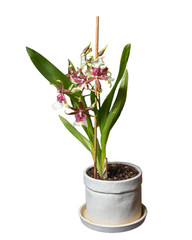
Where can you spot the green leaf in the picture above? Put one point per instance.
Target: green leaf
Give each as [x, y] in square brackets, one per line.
[115, 112]
[99, 152]
[47, 69]
[105, 108]
[92, 99]
[99, 160]
[89, 130]
[76, 133]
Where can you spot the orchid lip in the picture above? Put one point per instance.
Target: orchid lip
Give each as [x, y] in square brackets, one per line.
[57, 105]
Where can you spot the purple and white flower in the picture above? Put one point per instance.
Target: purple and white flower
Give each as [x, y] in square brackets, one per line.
[80, 114]
[61, 100]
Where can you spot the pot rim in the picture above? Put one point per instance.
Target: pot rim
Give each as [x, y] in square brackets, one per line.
[113, 181]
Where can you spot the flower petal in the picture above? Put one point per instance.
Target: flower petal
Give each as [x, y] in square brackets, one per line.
[98, 62]
[80, 117]
[60, 97]
[76, 89]
[81, 123]
[57, 105]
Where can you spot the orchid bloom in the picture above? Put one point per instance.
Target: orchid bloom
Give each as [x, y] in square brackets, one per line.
[99, 73]
[61, 97]
[80, 114]
[73, 76]
[78, 78]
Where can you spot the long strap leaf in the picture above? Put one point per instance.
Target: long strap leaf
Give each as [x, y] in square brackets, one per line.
[76, 133]
[104, 110]
[115, 111]
[47, 69]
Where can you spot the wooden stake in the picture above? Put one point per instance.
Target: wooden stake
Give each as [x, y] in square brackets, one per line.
[95, 127]
[97, 37]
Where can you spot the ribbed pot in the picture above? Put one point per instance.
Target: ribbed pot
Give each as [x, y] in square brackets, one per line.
[113, 202]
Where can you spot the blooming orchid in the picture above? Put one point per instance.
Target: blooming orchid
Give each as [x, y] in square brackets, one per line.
[80, 114]
[61, 100]
[80, 87]
[81, 80]
[99, 74]
[78, 78]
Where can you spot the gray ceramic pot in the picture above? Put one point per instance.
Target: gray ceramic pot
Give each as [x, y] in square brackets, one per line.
[113, 202]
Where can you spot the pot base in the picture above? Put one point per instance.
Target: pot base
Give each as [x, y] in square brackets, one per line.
[110, 228]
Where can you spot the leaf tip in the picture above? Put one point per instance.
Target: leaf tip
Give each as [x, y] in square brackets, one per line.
[27, 49]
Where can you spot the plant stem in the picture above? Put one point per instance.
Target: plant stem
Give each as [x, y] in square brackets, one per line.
[95, 129]
[105, 173]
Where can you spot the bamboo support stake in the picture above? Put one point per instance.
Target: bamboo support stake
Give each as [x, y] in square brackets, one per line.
[97, 37]
[95, 127]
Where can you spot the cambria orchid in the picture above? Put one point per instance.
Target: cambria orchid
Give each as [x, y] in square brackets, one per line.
[61, 97]
[78, 78]
[80, 114]
[76, 91]
[99, 74]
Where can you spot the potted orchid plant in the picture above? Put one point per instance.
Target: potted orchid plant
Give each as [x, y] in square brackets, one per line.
[113, 190]
[76, 89]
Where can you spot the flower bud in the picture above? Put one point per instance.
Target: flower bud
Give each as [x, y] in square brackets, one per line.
[102, 51]
[86, 49]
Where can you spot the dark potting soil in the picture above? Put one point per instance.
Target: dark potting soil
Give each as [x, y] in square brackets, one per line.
[116, 172]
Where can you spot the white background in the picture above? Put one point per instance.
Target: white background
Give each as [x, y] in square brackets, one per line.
[41, 164]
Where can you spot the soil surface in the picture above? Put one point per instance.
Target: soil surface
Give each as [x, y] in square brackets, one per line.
[116, 172]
